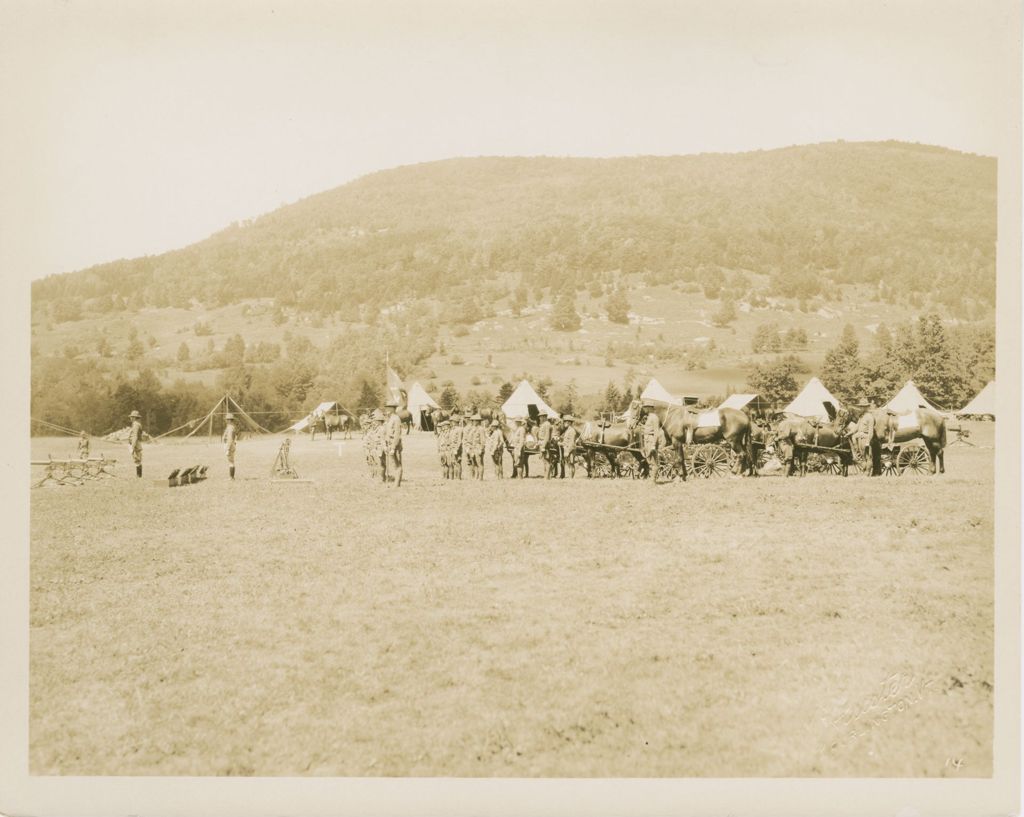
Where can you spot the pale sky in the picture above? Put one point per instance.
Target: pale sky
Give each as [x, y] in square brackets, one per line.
[134, 128]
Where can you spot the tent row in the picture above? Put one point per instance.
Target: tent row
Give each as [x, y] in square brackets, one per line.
[814, 400]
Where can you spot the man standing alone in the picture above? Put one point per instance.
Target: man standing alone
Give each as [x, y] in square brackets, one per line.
[135, 441]
[393, 444]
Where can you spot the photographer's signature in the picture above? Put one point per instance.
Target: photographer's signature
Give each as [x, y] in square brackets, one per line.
[857, 718]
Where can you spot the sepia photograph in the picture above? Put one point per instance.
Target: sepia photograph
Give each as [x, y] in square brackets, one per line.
[417, 405]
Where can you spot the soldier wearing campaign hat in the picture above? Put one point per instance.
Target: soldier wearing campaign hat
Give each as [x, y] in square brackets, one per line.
[392, 439]
[135, 441]
[230, 439]
[456, 440]
[518, 444]
[496, 448]
[568, 441]
[372, 442]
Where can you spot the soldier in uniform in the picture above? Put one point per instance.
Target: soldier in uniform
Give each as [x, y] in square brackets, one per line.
[650, 441]
[570, 438]
[496, 449]
[392, 439]
[518, 443]
[83, 446]
[372, 442]
[544, 432]
[442, 446]
[474, 442]
[455, 446]
[135, 441]
[230, 439]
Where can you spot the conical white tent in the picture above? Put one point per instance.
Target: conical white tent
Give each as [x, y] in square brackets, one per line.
[811, 401]
[752, 402]
[909, 398]
[984, 402]
[420, 404]
[519, 402]
[657, 393]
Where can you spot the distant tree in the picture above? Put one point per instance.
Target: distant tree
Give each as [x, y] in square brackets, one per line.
[449, 397]
[234, 350]
[369, 397]
[775, 380]
[937, 374]
[183, 352]
[617, 306]
[520, 299]
[135, 349]
[841, 371]
[766, 338]
[505, 392]
[564, 317]
[795, 338]
[612, 398]
[202, 329]
[725, 314]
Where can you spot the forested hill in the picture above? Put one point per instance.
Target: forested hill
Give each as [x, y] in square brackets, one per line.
[918, 222]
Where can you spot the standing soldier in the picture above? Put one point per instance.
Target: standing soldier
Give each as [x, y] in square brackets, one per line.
[496, 449]
[83, 446]
[371, 440]
[229, 439]
[135, 441]
[474, 442]
[442, 446]
[544, 433]
[570, 437]
[649, 443]
[518, 443]
[392, 438]
[455, 445]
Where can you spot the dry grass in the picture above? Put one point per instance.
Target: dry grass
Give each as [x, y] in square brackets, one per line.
[585, 628]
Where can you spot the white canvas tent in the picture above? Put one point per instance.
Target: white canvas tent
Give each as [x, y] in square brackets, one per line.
[984, 402]
[909, 398]
[657, 393]
[752, 402]
[420, 405]
[811, 401]
[520, 401]
[315, 414]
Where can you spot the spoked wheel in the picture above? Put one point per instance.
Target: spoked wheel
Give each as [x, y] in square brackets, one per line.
[601, 466]
[629, 467]
[710, 461]
[579, 459]
[890, 462]
[668, 465]
[830, 464]
[914, 460]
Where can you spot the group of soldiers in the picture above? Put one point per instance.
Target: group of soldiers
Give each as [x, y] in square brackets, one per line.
[383, 443]
[465, 437]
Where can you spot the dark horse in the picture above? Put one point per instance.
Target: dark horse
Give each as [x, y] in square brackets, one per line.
[920, 424]
[330, 422]
[615, 435]
[793, 434]
[681, 427]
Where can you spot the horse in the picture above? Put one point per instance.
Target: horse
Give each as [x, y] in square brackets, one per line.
[616, 435]
[406, 417]
[681, 427]
[329, 423]
[793, 434]
[920, 424]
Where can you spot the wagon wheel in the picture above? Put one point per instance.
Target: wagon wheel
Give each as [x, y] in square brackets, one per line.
[830, 464]
[579, 459]
[915, 460]
[710, 461]
[890, 462]
[668, 464]
[760, 458]
[601, 466]
[629, 467]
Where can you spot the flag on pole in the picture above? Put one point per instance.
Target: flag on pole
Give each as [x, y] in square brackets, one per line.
[395, 387]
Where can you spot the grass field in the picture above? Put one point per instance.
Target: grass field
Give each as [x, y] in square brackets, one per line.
[757, 627]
